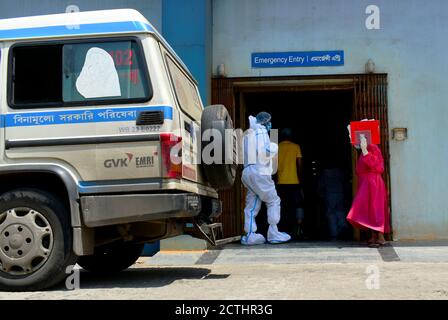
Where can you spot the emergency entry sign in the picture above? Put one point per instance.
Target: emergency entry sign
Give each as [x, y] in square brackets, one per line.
[298, 59]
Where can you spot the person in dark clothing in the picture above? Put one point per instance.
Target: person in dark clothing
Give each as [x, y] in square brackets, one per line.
[288, 185]
[331, 189]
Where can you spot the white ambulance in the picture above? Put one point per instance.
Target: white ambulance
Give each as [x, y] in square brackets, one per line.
[95, 108]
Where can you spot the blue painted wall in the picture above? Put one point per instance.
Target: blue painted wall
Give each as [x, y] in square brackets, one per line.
[151, 249]
[410, 47]
[187, 27]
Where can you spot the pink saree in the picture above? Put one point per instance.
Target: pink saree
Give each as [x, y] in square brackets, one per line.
[370, 208]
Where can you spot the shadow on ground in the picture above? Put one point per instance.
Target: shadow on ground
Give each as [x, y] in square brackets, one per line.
[300, 245]
[414, 243]
[151, 277]
[337, 244]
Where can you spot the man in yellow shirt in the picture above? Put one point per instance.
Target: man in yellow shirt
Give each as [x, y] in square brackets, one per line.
[288, 184]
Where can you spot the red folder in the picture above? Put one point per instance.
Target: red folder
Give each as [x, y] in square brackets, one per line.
[370, 128]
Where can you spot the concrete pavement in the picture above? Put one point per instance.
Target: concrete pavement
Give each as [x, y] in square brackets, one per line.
[300, 270]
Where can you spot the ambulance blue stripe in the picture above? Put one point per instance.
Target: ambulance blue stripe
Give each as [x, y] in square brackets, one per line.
[72, 30]
[28, 119]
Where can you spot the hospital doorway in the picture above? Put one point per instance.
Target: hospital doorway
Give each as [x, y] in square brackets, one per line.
[318, 110]
[318, 121]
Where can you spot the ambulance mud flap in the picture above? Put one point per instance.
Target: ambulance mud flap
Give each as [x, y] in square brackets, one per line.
[213, 233]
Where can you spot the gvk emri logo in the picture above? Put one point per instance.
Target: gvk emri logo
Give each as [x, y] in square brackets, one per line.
[120, 162]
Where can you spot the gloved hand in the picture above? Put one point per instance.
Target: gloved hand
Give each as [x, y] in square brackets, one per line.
[363, 144]
[349, 133]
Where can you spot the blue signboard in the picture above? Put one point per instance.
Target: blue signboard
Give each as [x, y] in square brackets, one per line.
[297, 59]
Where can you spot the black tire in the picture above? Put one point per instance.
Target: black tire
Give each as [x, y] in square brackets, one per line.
[219, 175]
[53, 269]
[112, 258]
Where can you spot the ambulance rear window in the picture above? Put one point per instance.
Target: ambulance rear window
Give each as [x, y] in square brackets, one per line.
[78, 73]
[111, 70]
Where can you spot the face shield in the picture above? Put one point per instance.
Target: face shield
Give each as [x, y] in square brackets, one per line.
[264, 119]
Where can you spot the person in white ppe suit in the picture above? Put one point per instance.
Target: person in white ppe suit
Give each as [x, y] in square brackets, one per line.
[257, 178]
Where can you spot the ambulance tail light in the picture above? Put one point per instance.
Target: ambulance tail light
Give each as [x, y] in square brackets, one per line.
[171, 152]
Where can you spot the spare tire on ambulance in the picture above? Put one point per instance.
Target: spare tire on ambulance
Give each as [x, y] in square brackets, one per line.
[219, 147]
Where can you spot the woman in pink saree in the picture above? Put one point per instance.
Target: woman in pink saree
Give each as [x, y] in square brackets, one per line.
[370, 208]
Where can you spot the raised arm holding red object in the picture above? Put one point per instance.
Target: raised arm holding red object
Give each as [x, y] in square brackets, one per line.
[370, 209]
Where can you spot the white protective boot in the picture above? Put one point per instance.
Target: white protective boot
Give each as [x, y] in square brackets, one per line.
[252, 238]
[275, 236]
